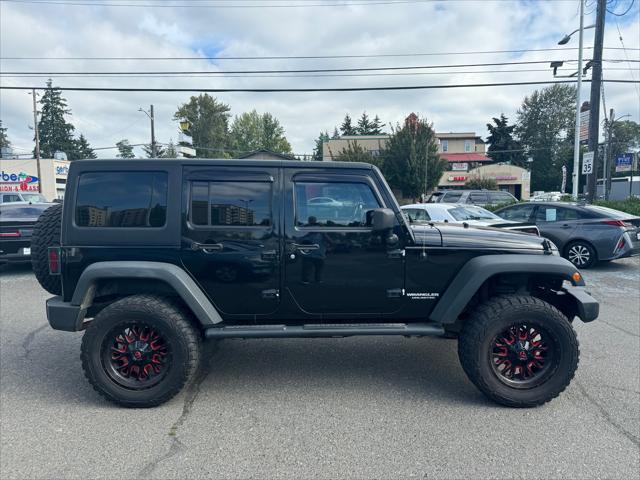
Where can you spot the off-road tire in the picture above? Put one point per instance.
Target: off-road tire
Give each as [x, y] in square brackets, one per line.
[497, 314]
[168, 317]
[46, 234]
[577, 250]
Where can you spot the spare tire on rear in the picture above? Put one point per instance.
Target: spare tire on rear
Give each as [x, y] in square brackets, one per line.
[46, 234]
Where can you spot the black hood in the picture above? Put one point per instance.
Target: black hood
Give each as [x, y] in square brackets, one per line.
[459, 236]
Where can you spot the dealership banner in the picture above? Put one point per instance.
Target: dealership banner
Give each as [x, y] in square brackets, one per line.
[17, 181]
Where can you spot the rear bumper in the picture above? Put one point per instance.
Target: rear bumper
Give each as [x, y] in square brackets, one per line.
[64, 316]
[586, 307]
[14, 258]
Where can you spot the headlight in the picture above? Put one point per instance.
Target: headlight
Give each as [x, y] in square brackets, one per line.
[553, 248]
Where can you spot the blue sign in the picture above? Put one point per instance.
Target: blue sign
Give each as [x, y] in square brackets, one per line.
[624, 162]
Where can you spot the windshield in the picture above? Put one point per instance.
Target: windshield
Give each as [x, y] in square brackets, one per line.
[472, 213]
[26, 211]
[33, 197]
[608, 212]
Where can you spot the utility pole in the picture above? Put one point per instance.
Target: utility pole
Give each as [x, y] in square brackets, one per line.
[35, 129]
[575, 177]
[596, 80]
[154, 153]
[607, 152]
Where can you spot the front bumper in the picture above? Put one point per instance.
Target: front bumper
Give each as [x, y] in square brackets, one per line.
[584, 305]
[64, 316]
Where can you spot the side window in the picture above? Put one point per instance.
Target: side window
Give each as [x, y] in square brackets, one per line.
[344, 204]
[476, 198]
[417, 214]
[555, 214]
[519, 213]
[231, 204]
[10, 198]
[121, 199]
[445, 145]
[452, 197]
[468, 146]
[499, 197]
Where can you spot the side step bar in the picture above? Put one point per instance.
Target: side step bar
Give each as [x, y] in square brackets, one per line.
[325, 330]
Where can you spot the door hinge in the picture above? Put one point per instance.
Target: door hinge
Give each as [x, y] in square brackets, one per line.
[396, 253]
[271, 293]
[395, 293]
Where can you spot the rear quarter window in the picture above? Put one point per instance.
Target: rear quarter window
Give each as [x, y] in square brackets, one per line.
[121, 200]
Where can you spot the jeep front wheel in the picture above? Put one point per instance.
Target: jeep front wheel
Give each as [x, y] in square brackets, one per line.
[140, 351]
[519, 350]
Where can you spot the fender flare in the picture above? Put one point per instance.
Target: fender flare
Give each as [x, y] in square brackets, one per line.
[479, 269]
[176, 277]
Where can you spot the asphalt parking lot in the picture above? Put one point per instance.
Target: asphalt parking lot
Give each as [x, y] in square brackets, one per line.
[320, 408]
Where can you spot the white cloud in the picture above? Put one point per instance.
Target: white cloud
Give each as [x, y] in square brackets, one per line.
[106, 117]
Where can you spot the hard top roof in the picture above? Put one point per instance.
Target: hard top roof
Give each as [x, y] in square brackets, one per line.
[151, 163]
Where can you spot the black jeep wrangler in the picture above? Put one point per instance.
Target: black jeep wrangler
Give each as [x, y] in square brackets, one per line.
[150, 257]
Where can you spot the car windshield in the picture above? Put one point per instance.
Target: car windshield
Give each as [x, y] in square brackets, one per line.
[472, 213]
[33, 197]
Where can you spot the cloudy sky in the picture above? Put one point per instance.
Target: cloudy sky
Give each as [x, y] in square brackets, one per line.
[259, 28]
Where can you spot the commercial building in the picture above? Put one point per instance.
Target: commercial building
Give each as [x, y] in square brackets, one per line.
[512, 179]
[21, 175]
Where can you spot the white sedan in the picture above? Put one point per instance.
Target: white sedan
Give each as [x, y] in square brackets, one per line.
[456, 213]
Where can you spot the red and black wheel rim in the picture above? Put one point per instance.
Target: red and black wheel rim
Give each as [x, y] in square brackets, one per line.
[524, 355]
[136, 355]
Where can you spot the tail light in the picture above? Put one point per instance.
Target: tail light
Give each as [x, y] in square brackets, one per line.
[53, 254]
[617, 223]
[620, 245]
[9, 234]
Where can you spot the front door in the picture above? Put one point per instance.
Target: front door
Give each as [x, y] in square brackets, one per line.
[334, 264]
[230, 241]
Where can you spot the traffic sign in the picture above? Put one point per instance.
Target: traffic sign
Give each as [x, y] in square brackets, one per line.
[624, 162]
[587, 163]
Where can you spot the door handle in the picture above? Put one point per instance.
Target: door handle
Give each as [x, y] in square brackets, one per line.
[303, 247]
[207, 247]
[566, 225]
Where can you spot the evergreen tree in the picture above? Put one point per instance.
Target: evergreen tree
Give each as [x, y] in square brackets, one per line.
[84, 149]
[502, 143]
[410, 159]
[356, 153]
[125, 150]
[346, 128]
[209, 121]
[160, 151]
[318, 149]
[377, 126]
[4, 140]
[364, 125]
[56, 134]
[336, 134]
[171, 151]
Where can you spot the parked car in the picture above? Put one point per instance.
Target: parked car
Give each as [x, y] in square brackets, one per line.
[12, 197]
[547, 197]
[472, 197]
[583, 233]
[133, 257]
[17, 220]
[470, 214]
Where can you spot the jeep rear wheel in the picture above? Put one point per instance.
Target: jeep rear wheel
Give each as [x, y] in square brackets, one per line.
[140, 351]
[519, 350]
[46, 234]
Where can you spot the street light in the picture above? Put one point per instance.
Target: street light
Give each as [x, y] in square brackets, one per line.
[576, 143]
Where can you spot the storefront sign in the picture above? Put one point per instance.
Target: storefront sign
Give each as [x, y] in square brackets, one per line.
[18, 182]
[502, 178]
[459, 166]
[624, 162]
[460, 178]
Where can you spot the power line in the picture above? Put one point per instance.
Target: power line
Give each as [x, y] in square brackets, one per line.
[625, 12]
[314, 75]
[628, 61]
[300, 4]
[314, 57]
[303, 90]
[312, 70]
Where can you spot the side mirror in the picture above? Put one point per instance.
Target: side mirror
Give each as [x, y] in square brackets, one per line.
[382, 219]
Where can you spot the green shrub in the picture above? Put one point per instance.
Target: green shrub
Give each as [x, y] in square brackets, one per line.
[630, 205]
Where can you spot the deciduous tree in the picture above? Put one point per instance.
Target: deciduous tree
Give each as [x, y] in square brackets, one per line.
[4, 140]
[356, 153]
[318, 149]
[253, 131]
[125, 150]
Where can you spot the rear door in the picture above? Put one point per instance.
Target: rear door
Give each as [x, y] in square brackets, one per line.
[557, 223]
[230, 240]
